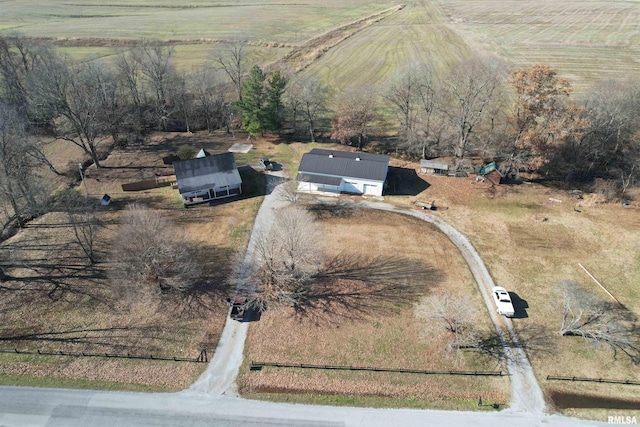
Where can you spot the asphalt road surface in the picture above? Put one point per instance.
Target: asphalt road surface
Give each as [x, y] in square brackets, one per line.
[32, 407]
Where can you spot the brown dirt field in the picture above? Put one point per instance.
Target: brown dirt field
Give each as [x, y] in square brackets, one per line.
[386, 336]
[59, 302]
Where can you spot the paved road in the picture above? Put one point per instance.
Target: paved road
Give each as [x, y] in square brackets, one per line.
[30, 407]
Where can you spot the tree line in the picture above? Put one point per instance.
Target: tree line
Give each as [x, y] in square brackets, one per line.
[526, 118]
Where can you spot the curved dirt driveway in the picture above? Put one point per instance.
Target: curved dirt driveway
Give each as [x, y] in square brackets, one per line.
[526, 395]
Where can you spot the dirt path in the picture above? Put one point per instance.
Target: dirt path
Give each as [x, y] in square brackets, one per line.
[526, 395]
[219, 377]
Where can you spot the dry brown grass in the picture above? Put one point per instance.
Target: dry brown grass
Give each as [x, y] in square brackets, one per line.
[60, 302]
[388, 336]
[529, 243]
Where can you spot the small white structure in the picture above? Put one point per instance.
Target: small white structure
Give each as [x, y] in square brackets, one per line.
[207, 178]
[434, 168]
[342, 172]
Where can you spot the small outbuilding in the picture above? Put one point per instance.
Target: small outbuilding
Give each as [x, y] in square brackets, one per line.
[489, 172]
[207, 178]
[342, 172]
[434, 168]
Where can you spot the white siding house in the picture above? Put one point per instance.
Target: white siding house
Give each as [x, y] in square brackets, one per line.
[207, 178]
[342, 172]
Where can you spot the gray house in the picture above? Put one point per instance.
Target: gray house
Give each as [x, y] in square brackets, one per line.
[342, 171]
[207, 178]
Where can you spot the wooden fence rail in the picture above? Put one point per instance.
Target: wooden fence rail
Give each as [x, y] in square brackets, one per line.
[257, 366]
[594, 380]
[202, 357]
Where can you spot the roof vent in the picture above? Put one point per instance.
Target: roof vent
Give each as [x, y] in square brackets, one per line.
[358, 159]
[331, 155]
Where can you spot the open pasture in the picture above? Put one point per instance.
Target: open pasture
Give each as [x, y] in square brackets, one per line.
[417, 33]
[584, 40]
[282, 22]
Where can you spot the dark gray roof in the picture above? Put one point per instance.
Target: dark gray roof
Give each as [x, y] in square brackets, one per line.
[319, 179]
[206, 172]
[345, 164]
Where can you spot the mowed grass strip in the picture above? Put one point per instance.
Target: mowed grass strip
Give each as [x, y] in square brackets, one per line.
[385, 335]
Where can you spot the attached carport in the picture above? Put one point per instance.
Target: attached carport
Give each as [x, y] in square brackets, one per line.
[312, 183]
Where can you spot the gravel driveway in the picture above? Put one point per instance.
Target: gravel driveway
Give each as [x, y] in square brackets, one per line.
[526, 395]
[219, 377]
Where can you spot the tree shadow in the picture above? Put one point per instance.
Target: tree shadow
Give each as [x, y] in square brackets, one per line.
[340, 208]
[519, 306]
[272, 181]
[534, 339]
[207, 295]
[356, 286]
[140, 338]
[404, 182]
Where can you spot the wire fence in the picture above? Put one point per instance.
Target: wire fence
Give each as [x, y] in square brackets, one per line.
[202, 357]
[257, 366]
[593, 380]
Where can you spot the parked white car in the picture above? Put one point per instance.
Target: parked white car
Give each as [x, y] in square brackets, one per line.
[503, 301]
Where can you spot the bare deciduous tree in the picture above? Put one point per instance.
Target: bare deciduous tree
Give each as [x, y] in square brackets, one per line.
[150, 251]
[287, 258]
[160, 75]
[307, 98]
[76, 93]
[412, 94]
[231, 58]
[21, 185]
[81, 213]
[614, 132]
[450, 319]
[129, 72]
[289, 191]
[598, 321]
[211, 99]
[466, 100]
[357, 111]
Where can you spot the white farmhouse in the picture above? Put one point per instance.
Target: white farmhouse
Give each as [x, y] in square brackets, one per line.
[342, 172]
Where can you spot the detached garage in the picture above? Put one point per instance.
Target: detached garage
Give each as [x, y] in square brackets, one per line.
[342, 172]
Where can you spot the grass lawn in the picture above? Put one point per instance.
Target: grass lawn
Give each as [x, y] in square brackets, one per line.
[371, 332]
[529, 243]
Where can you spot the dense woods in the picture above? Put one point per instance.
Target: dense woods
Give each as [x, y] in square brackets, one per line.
[526, 119]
